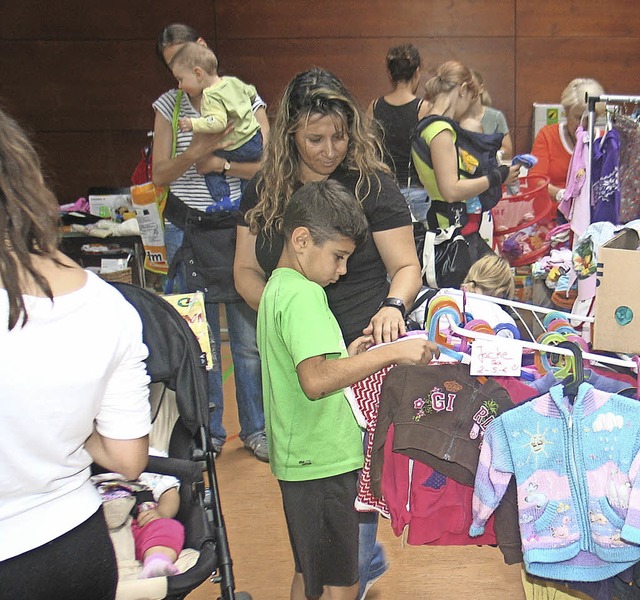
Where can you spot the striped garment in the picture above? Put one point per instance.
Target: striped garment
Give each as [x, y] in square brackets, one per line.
[191, 187]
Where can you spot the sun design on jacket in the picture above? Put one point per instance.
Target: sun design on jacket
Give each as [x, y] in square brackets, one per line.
[536, 443]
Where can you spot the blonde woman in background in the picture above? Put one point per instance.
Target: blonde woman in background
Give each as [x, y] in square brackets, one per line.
[554, 144]
[489, 276]
[482, 117]
[451, 92]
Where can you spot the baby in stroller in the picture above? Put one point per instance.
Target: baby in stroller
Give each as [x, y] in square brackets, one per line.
[158, 536]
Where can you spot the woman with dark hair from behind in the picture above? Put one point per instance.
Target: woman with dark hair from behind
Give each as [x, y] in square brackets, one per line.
[73, 390]
[397, 114]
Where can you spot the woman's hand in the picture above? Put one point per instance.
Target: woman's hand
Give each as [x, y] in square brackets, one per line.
[387, 325]
[398, 252]
[514, 171]
[204, 144]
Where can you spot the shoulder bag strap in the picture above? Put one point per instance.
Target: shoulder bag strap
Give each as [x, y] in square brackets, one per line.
[174, 121]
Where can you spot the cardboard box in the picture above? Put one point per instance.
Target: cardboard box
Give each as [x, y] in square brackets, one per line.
[107, 206]
[617, 312]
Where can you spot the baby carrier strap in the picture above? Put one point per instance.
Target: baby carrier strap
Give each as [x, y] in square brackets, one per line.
[476, 154]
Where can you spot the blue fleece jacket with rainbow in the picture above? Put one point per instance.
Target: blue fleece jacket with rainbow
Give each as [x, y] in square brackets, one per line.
[576, 468]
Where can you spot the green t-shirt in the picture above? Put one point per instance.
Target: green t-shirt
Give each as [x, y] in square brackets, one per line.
[308, 439]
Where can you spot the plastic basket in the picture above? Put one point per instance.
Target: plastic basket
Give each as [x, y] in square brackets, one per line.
[521, 222]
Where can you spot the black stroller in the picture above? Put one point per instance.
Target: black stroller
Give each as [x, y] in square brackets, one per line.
[177, 364]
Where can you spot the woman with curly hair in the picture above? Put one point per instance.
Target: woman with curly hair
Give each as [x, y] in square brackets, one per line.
[320, 133]
[73, 390]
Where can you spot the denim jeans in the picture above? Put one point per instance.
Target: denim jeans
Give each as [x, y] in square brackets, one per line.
[219, 189]
[418, 202]
[371, 559]
[241, 320]
[372, 562]
[173, 236]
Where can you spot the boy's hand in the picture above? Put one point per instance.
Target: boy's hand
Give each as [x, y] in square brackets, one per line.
[416, 351]
[184, 123]
[360, 345]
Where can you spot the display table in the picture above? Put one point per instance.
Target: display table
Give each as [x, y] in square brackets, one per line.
[126, 246]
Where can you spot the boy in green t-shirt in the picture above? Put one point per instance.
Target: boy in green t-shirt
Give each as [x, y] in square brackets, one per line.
[315, 444]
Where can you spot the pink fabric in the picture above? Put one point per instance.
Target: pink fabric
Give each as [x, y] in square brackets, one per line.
[575, 205]
[518, 391]
[436, 509]
[161, 532]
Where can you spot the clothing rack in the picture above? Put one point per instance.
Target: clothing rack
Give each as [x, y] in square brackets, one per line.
[609, 360]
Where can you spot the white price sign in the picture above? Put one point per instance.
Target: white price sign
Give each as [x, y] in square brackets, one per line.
[492, 357]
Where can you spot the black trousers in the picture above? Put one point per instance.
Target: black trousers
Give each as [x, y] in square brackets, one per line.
[79, 565]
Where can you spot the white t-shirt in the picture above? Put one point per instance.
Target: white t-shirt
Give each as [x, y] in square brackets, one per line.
[76, 361]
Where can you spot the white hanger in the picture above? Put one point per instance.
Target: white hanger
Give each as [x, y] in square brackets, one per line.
[619, 362]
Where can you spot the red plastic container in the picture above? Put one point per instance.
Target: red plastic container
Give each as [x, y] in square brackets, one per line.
[521, 222]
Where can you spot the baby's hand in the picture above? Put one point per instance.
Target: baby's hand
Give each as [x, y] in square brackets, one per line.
[146, 516]
[415, 351]
[185, 124]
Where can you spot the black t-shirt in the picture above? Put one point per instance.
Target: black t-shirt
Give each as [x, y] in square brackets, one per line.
[398, 122]
[355, 297]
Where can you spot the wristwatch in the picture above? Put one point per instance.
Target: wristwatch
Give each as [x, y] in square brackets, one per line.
[395, 303]
[225, 167]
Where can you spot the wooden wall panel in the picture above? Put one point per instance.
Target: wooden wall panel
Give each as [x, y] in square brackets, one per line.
[306, 19]
[543, 71]
[100, 20]
[83, 73]
[74, 161]
[270, 64]
[83, 86]
[585, 19]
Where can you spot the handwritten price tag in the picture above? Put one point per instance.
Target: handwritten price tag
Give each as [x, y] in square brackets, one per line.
[492, 357]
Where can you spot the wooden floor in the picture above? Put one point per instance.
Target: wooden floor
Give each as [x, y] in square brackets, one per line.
[262, 558]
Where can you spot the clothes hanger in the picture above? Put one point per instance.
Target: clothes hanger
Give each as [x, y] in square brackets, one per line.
[609, 124]
[629, 364]
[572, 380]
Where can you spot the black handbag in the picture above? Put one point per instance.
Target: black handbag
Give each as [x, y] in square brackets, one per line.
[207, 251]
[444, 256]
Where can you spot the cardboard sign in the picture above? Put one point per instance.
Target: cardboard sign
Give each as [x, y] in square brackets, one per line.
[191, 307]
[497, 358]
